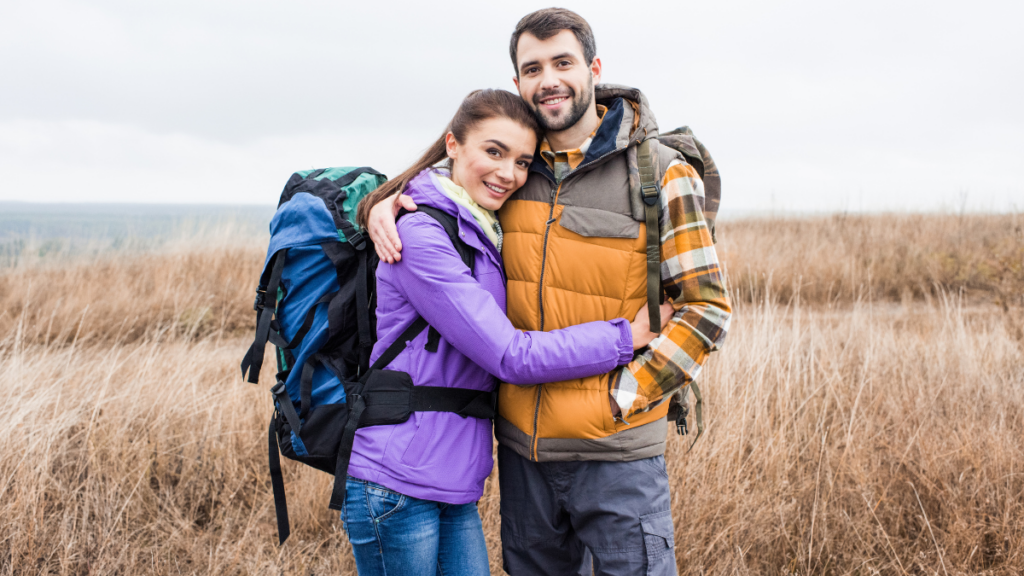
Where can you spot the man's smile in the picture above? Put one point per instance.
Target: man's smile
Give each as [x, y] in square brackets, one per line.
[553, 101]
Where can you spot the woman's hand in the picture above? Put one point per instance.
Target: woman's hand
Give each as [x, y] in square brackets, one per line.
[641, 325]
[382, 229]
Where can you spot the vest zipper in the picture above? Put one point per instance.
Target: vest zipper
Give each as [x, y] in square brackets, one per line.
[540, 288]
[540, 302]
[544, 253]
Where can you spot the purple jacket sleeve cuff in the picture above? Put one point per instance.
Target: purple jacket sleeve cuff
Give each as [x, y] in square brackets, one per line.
[625, 341]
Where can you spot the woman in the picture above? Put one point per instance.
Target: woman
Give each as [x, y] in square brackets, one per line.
[412, 487]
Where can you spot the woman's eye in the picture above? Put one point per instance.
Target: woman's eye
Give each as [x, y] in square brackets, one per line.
[523, 164]
[494, 152]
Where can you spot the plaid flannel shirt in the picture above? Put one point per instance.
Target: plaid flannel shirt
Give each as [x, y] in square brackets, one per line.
[692, 278]
[563, 162]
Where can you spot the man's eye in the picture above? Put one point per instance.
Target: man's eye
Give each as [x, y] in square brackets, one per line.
[564, 63]
[531, 70]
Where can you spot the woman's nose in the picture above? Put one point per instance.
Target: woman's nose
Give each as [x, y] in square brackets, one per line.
[506, 170]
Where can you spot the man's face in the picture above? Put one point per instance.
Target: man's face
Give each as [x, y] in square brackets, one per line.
[555, 80]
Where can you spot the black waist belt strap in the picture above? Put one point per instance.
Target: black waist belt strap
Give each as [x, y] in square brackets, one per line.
[461, 401]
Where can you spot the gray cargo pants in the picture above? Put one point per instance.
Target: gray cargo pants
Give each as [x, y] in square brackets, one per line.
[553, 512]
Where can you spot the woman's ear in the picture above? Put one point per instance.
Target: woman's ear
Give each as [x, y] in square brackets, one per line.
[451, 145]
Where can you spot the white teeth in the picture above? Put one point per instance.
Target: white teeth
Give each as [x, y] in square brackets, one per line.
[555, 101]
[495, 188]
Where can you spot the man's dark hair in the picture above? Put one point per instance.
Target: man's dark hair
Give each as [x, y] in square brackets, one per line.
[550, 21]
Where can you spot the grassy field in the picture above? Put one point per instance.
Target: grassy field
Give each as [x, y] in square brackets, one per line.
[865, 417]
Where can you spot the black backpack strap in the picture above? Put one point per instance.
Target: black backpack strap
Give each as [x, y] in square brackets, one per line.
[399, 404]
[266, 308]
[355, 413]
[286, 406]
[306, 388]
[287, 409]
[351, 176]
[366, 329]
[278, 340]
[353, 236]
[464, 402]
[277, 481]
[451, 228]
[466, 252]
[357, 404]
[650, 191]
[396, 347]
[338, 254]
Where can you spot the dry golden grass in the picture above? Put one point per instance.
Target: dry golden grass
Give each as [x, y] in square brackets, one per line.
[860, 428]
[841, 258]
[190, 293]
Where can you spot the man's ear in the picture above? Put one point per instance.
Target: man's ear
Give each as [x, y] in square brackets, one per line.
[515, 80]
[595, 69]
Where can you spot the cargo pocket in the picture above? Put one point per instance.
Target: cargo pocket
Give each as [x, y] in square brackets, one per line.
[596, 223]
[659, 543]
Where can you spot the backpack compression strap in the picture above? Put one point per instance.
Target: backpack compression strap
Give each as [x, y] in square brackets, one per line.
[266, 327]
[253, 360]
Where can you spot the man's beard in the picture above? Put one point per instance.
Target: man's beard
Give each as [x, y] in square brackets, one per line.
[580, 104]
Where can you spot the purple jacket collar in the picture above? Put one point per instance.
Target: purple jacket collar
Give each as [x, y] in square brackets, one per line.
[425, 189]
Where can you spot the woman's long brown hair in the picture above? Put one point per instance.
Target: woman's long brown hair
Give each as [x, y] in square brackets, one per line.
[478, 106]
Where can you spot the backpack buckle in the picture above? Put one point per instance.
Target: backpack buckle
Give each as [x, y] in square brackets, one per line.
[681, 414]
[261, 299]
[277, 389]
[357, 240]
[649, 193]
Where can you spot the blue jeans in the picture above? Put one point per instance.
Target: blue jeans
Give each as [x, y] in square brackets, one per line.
[392, 533]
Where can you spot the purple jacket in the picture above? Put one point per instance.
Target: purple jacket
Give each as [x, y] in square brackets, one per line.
[442, 456]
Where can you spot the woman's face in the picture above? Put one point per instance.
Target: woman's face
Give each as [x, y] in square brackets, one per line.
[492, 163]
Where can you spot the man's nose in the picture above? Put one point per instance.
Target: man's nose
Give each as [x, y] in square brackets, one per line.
[549, 79]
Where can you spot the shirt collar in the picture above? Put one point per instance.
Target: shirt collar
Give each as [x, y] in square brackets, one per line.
[563, 161]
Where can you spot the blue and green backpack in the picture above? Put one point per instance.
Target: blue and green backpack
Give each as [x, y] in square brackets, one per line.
[315, 303]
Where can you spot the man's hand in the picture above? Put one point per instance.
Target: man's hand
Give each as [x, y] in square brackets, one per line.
[382, 229]
[642, 336]
[641, 325]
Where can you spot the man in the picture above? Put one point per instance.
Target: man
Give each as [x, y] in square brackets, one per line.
[581, 463]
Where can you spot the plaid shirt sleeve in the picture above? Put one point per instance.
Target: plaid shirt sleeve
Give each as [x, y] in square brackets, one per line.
[692, 278]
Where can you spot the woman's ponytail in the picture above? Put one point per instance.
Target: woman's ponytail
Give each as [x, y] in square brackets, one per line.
[438, 151]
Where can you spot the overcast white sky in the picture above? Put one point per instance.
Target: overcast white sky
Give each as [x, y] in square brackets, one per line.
[806, 105]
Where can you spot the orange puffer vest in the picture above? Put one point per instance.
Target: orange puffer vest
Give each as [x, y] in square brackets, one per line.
[575, 252]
